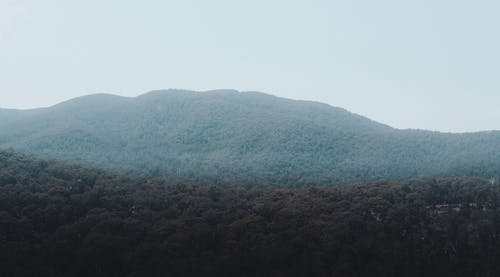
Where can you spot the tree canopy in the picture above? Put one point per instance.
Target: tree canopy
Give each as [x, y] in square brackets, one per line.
[58, 219]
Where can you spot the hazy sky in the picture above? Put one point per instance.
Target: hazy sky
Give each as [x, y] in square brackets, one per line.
[432, 64]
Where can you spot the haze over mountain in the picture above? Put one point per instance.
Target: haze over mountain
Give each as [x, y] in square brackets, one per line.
[227, 136]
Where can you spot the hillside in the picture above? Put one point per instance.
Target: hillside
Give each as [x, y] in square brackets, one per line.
[62, 220]
[241, 137]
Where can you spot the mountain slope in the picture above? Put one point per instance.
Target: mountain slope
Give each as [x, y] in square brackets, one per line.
[250, 138]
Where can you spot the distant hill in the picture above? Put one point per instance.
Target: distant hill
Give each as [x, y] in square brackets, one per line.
[227, 136]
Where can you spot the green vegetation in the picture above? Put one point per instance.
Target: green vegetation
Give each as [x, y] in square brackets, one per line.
[229, 137]
[63, 220]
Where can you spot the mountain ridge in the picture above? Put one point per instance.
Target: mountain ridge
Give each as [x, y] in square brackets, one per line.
[162, 92]
[152, 93]
[226, 136]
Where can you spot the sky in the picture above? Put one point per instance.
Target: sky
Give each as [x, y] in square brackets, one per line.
[426, 64]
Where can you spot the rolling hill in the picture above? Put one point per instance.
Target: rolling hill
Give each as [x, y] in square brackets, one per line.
[246, 138]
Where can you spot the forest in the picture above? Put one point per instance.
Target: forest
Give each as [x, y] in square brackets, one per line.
[58, 219]
[228, 137]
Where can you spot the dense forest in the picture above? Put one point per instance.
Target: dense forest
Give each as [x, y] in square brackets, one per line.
[229, 137]
[58, 219]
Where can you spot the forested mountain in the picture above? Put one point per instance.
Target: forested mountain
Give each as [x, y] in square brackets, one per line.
[241, 137]
[63, 220]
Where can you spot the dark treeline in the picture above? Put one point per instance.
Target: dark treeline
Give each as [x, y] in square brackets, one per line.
[62, 220]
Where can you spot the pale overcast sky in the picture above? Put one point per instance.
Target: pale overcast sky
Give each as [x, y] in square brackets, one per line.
[431, 64]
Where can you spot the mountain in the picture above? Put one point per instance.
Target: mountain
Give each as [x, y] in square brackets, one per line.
[58, 219]
[249, 138]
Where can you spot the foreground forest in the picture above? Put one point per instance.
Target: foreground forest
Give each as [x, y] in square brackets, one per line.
[63, 220]
[247, 138]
